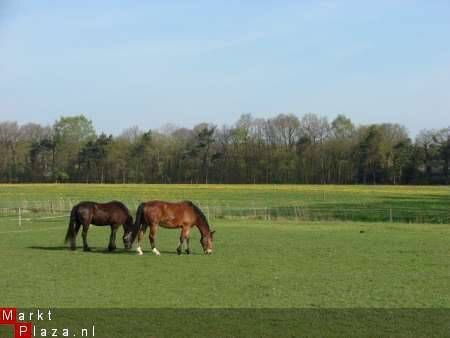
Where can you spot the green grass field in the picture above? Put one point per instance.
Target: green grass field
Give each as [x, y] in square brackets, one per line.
[281, 263]
[255, 264]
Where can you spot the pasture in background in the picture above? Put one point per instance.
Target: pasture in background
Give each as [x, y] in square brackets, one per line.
[409, 204]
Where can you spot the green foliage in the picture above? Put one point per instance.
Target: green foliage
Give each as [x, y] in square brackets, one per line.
[71, 134]
[342, 127]
[93, 158]
[74, 129]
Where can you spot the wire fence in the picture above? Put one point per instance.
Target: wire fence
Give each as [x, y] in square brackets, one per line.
[30, 210]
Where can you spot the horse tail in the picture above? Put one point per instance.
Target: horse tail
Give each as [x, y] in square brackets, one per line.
[139, 216]
[72, 223]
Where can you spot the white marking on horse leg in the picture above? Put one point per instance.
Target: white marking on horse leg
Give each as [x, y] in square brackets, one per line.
[139, 251]
[156, 252]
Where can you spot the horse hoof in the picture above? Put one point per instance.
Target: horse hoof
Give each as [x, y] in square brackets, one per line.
[87, 249]
[188, 252]
[178, 251]
[73, 248]
[111, 248]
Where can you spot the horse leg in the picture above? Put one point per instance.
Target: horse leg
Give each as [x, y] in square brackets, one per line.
[188, 249]
[184, 238]
[84, 233]
[112, 237]
[187, 239]
[180, 246]
[152, 238]
[140, 238]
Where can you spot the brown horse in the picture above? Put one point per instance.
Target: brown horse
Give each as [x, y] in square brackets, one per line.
[112, 213]
[182, 215]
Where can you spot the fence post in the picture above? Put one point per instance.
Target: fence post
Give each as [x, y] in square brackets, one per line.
[390, 215]
[20, 218]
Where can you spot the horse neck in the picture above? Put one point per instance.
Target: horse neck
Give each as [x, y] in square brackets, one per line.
[203, 227]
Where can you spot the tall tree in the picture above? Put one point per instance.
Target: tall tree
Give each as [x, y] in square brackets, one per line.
[9, 140]
[369, 155]
[202, 150]
[93, 158]
[71, 135]
[342, 127]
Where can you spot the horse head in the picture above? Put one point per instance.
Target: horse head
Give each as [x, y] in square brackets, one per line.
[207, 242]
[130, 233]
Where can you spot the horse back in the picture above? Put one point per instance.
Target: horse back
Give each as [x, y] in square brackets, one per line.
[169, 214]
[113, 212]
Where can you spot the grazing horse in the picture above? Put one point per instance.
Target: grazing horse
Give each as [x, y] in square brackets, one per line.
[112, 213]
[182, 215]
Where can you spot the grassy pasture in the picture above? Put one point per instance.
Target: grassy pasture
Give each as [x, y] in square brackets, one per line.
[256, 264]
[277, 263]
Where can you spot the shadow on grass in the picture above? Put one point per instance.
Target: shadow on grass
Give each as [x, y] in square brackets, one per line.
[174, 253]
[95, 250]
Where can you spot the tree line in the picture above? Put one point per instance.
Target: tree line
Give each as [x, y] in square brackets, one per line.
[282, 149]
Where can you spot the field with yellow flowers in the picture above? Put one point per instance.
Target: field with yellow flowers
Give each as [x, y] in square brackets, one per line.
[410, 204]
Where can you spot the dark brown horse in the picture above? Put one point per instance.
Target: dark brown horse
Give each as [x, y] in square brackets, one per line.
[182, 215]
[111, 214]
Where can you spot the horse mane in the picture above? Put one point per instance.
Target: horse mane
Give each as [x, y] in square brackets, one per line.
[198, 212]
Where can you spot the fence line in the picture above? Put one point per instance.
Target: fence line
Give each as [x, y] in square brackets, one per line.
[61, 208]
[30, 230]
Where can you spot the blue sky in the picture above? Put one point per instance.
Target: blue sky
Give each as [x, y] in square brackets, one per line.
[148, 63]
